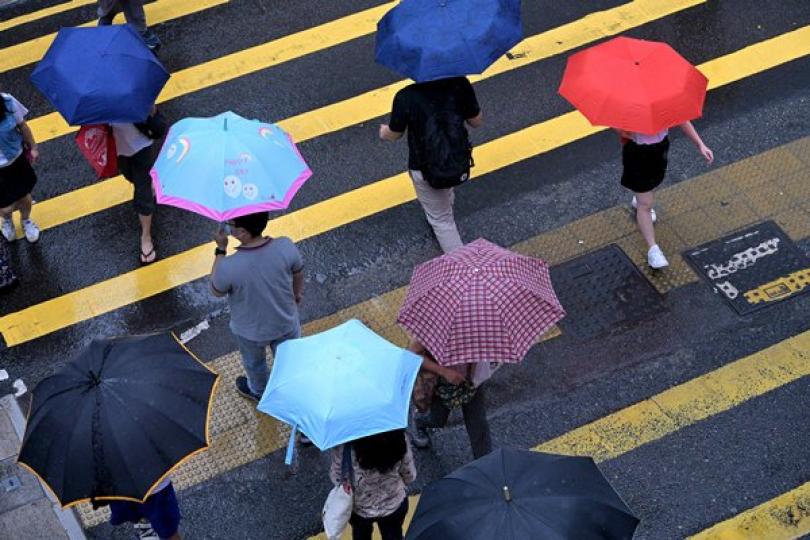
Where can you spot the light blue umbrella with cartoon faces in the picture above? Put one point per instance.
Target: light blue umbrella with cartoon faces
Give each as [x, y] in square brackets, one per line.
[227, 166]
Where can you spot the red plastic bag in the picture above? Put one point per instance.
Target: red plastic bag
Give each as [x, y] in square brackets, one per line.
[97, 145]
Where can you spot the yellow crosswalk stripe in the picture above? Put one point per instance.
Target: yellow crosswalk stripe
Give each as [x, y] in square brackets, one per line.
[52, 315]
[241, 63]
[686, 404]
[31, 51]
[782, 518]
[305, 126]
[44, 12]
[374, 103]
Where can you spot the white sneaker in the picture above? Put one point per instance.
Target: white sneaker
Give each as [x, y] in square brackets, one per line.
[31, 230]
[9, 233]
[656, 259]
[634, 204]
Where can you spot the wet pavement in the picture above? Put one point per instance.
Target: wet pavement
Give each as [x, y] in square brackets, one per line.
[674, 328]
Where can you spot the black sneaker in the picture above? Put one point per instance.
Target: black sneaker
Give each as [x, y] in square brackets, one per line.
[243, 388]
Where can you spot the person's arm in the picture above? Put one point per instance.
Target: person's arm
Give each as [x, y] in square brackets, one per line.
[28, 138]
[450, 375]
[476, 121]
[221, 239]
[298, 285]
[692, 133]
[334, 465]
[387, 134]
[407, 468]
[398, 122]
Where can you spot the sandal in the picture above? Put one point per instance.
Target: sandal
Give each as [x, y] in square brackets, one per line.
[145, 257]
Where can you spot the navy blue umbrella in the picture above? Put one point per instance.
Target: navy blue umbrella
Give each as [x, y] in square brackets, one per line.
[99, 75]
[436, 39]
[516, 495]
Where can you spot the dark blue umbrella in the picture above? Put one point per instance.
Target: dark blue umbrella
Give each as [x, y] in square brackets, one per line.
[436, 39]
[99, 75]
[516, 494]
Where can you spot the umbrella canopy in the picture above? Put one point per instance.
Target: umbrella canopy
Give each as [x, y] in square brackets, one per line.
[635, 85]
[516, 494]
[436, 39]
[227, 166]
[118, 418]
[100, 75]
[480, 303]
[340, 385]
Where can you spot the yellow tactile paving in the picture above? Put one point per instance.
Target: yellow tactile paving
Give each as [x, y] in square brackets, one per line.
[157, 12]
[689, 403]
[785, 517]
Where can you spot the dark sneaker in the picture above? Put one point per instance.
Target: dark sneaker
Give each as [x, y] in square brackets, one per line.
[420, 438]
[243, 388]
[151, 39]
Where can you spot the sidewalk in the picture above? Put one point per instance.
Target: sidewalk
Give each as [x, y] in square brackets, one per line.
[26, 509]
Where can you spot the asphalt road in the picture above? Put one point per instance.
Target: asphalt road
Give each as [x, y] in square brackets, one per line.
[679, 485]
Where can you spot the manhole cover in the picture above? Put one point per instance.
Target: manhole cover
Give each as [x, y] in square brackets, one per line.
[753, 268]
[603, 289]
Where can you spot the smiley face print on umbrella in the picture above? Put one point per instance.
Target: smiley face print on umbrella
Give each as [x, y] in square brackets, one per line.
[227, 166]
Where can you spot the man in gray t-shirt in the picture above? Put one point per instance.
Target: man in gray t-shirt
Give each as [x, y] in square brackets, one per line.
[263, 281]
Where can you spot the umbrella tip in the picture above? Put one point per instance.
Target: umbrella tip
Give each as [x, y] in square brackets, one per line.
[507, 495]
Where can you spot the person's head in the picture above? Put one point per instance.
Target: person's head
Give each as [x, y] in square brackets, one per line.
[380, 452]
[249, 227]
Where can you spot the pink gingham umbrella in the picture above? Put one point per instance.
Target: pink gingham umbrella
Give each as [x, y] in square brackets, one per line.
[480, 303]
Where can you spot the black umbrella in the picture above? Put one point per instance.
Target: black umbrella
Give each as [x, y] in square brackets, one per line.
[519, 495]
[118, 418]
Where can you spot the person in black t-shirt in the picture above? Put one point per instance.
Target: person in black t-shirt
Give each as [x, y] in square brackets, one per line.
[409, 113]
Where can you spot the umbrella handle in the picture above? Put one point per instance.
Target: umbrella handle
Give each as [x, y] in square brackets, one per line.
[291, 446]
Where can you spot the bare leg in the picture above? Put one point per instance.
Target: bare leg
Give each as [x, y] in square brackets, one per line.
[24, 206]
[147, 247]
[645, 203]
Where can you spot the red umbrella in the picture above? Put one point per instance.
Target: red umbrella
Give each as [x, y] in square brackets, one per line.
[635, 85]
[480, 303]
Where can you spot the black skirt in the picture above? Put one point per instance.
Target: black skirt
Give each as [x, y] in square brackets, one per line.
[17, 179]
[644, 165]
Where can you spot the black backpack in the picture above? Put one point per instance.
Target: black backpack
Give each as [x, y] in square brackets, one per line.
[446, 152]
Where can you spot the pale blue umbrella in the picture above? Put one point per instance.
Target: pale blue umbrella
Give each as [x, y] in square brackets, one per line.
[340, 385]
[227, 166]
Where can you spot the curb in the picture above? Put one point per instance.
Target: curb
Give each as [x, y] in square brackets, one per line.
[67, 518]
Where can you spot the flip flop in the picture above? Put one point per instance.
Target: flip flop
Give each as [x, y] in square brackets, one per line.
[145, 257]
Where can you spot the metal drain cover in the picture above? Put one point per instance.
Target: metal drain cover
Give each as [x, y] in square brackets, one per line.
[603, 289]
[753, 268]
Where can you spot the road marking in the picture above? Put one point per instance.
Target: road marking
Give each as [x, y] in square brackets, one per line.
[31, 51]
[376, 102]
[686, 404]
[64, 311]
[42, 13]
[241, 63]
[780, 288]
[305, 126]
[782, 518]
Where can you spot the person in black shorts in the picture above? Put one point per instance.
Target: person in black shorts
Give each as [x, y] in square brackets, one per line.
[644, 161]
[18, 150]
[411, 105]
